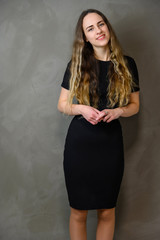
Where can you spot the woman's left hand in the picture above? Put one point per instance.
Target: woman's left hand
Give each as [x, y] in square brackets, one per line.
[107, 115]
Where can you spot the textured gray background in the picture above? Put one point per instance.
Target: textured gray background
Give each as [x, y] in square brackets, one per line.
[35, 46]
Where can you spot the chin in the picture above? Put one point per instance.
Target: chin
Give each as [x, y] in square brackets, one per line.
[101, 45]
[102, 42]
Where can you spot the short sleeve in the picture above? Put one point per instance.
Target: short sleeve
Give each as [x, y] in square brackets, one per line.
[134, 72]
[66, 77]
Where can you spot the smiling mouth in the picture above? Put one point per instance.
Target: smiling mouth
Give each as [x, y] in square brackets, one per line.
[101, 37]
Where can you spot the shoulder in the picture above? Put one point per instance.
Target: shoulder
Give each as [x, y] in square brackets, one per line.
[132, 67]
[68, 67]
[66, 77]
[130, 62]
[129, 59]
[69, 63]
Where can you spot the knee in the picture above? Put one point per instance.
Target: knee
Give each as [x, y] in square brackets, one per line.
[106, 214]
[79, 215]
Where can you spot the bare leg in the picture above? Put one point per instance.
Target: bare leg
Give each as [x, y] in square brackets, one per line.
[77, 225]
[106, 224]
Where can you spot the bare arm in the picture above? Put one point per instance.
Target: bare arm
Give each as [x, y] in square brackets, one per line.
[62, 106]
[133, 107]
[107, 115]
[88, 112]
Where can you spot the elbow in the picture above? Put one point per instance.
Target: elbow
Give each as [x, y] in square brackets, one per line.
[59, 107]
[137, 109]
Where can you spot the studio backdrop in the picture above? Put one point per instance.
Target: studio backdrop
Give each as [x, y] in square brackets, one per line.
[35, 45]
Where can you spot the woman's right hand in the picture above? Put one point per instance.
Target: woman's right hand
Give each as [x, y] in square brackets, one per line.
[90, 114]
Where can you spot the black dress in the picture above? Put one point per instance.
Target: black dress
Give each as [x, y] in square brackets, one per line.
[93, 154]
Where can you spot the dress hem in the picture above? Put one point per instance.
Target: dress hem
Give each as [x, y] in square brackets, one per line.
[92, 208]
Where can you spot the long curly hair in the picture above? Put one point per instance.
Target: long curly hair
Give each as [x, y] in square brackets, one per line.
[84, 67]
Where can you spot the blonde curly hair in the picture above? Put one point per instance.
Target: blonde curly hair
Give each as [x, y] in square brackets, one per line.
[84, 67]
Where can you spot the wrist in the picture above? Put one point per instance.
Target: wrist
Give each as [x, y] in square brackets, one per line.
[80, 109]
[121, 110]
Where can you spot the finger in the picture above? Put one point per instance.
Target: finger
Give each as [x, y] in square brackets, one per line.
[95, 114]
[101, 115]
[94, 117]
[106, 118]
[106, 112]
[110, 119]
[93, 122]
[97, 111]
[101, 119]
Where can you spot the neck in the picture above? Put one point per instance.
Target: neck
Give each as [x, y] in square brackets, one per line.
[102, 53]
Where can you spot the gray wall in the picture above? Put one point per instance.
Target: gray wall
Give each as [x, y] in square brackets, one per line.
[35, 46]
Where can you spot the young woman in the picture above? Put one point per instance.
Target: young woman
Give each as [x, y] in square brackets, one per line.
[105, 84]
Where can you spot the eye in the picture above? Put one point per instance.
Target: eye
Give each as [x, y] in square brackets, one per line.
[101, 24]
[90, 29]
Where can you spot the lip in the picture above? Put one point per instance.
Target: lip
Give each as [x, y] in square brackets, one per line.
[100, 37]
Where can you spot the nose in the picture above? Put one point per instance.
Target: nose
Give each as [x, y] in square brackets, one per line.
[98, 30]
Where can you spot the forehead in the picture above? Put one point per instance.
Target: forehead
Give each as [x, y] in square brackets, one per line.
[91, 19]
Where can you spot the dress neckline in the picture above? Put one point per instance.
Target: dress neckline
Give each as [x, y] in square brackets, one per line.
[103, 61]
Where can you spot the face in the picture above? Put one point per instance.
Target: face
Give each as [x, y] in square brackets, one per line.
[96, 30]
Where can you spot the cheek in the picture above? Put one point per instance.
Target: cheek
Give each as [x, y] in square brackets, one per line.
[107, 30]
[90, 36]
[86, 34]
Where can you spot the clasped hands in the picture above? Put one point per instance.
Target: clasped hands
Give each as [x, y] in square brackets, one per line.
[94, 116]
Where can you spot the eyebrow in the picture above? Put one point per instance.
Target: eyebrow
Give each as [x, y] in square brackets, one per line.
[92, 25]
